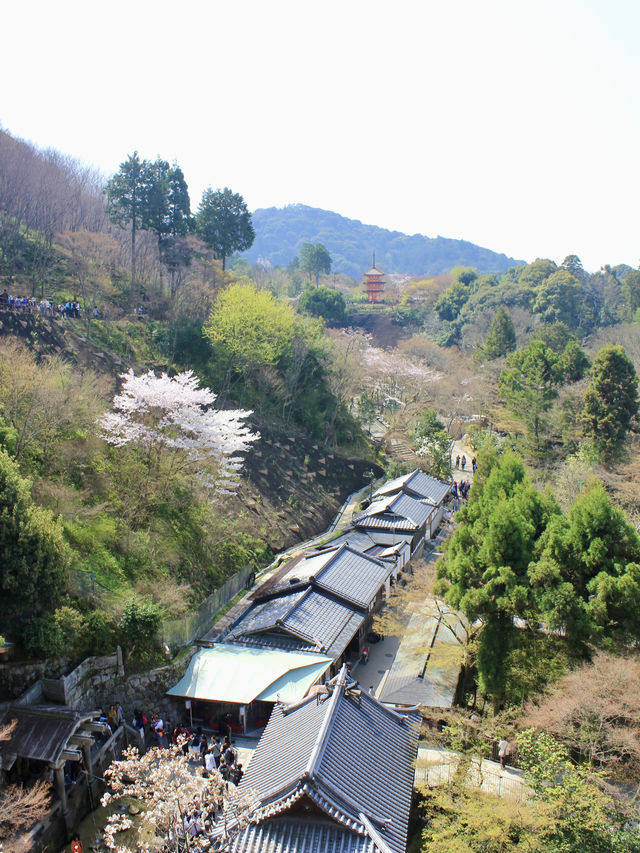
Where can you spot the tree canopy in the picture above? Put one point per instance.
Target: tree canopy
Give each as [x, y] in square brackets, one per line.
[611, 401]
[323, 302]
[515, 554]
[249, 326]
[223, 222]
[33, 569]
[529, 383]
[501, 337]
[315, 259]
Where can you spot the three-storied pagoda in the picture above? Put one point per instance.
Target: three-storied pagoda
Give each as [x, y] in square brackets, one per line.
[374, 282]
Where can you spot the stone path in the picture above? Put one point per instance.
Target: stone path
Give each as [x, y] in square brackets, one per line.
[436, 766]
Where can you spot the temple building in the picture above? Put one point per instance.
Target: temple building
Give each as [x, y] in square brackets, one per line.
[374, 283]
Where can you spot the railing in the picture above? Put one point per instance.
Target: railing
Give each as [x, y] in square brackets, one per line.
[180, 632]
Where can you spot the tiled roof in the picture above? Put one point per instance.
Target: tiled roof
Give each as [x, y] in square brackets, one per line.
[331, 623]
[266, 614]
[398, 510]
[357, 539]
[417, 484]
[317, 620]
[353, 575]
[42, 732]
[348, 754]
[386, 522]
[427, 664]
[292, 835]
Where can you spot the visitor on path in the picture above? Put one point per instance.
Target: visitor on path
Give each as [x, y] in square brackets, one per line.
[458, 461]
[503, 751]
[463, 462]
[474, 464]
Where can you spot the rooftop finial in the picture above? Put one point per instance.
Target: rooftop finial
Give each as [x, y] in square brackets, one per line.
[374, 258]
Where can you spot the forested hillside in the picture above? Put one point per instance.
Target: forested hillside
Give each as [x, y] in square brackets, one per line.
[280, 233]
[118, 519]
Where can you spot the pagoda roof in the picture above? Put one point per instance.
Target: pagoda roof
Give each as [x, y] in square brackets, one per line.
[374, 271]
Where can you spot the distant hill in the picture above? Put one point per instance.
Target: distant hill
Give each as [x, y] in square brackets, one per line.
[281, 231]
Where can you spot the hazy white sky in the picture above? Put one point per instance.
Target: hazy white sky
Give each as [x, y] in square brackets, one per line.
[510, 123]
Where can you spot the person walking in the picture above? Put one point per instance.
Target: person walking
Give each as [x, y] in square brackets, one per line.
[463, 462]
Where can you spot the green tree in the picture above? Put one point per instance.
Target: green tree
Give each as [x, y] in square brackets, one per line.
[138, 626]
[169, 216]
[465, 275]
[528, 383]
[323, 302]
[223, 222]
[314, 260]
[554, 335]
[573, 264]
[631, 291]
[249, 326]
[574, 362]
[484, 570]
[560, 299]
[585, 578]
[610, 402]
[33, 569]
[501, 338]
[128, 194]
[451, 302]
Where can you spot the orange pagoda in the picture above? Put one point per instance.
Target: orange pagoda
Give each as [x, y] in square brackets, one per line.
[374, 282]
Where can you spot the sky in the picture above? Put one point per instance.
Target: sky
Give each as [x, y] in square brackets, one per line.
[514, 124]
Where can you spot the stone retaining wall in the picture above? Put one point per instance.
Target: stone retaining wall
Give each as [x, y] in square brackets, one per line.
[15, 678]
[145, 690]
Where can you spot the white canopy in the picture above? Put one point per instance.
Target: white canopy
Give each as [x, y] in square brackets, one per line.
[230, 672]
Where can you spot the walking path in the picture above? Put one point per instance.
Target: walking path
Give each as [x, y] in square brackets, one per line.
[436, 766]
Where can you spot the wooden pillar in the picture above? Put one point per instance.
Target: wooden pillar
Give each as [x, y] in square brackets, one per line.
[59, 777]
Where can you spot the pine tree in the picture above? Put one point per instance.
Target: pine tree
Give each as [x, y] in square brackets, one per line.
[501, 338]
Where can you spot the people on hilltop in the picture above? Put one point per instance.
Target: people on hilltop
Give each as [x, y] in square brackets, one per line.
[44, 307]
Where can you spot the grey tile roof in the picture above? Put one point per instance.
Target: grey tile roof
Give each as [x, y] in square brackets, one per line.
[355, 576]
[357, 539]
[317, 620]
[418, 484]
[265, 614]
[292, 835]
[42, 732]
[386, 522]
[427, 664]
[399, 510]
[331, 623]
[345, 752]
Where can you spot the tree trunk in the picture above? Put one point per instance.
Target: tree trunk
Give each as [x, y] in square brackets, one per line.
[133, 261]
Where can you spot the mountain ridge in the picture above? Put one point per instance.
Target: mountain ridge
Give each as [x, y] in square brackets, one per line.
[281, 231]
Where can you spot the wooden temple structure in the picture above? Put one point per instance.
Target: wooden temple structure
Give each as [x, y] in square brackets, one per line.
[374, 282]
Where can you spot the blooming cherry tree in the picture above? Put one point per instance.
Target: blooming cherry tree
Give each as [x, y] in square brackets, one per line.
[177, 803]
[156, 412]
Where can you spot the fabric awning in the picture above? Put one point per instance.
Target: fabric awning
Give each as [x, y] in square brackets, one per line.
[230, 672]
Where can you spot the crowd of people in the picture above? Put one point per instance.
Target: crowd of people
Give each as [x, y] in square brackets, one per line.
[44, 307]
[212, 752]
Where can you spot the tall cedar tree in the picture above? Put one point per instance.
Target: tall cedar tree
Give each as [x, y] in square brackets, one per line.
[128, 193]
[501, 338]
[224, 223]
[610, 402]
[528, 385]
[315, 259]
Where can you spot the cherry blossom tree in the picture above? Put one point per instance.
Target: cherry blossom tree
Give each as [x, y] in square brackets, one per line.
[176, 803]
[160, 413]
